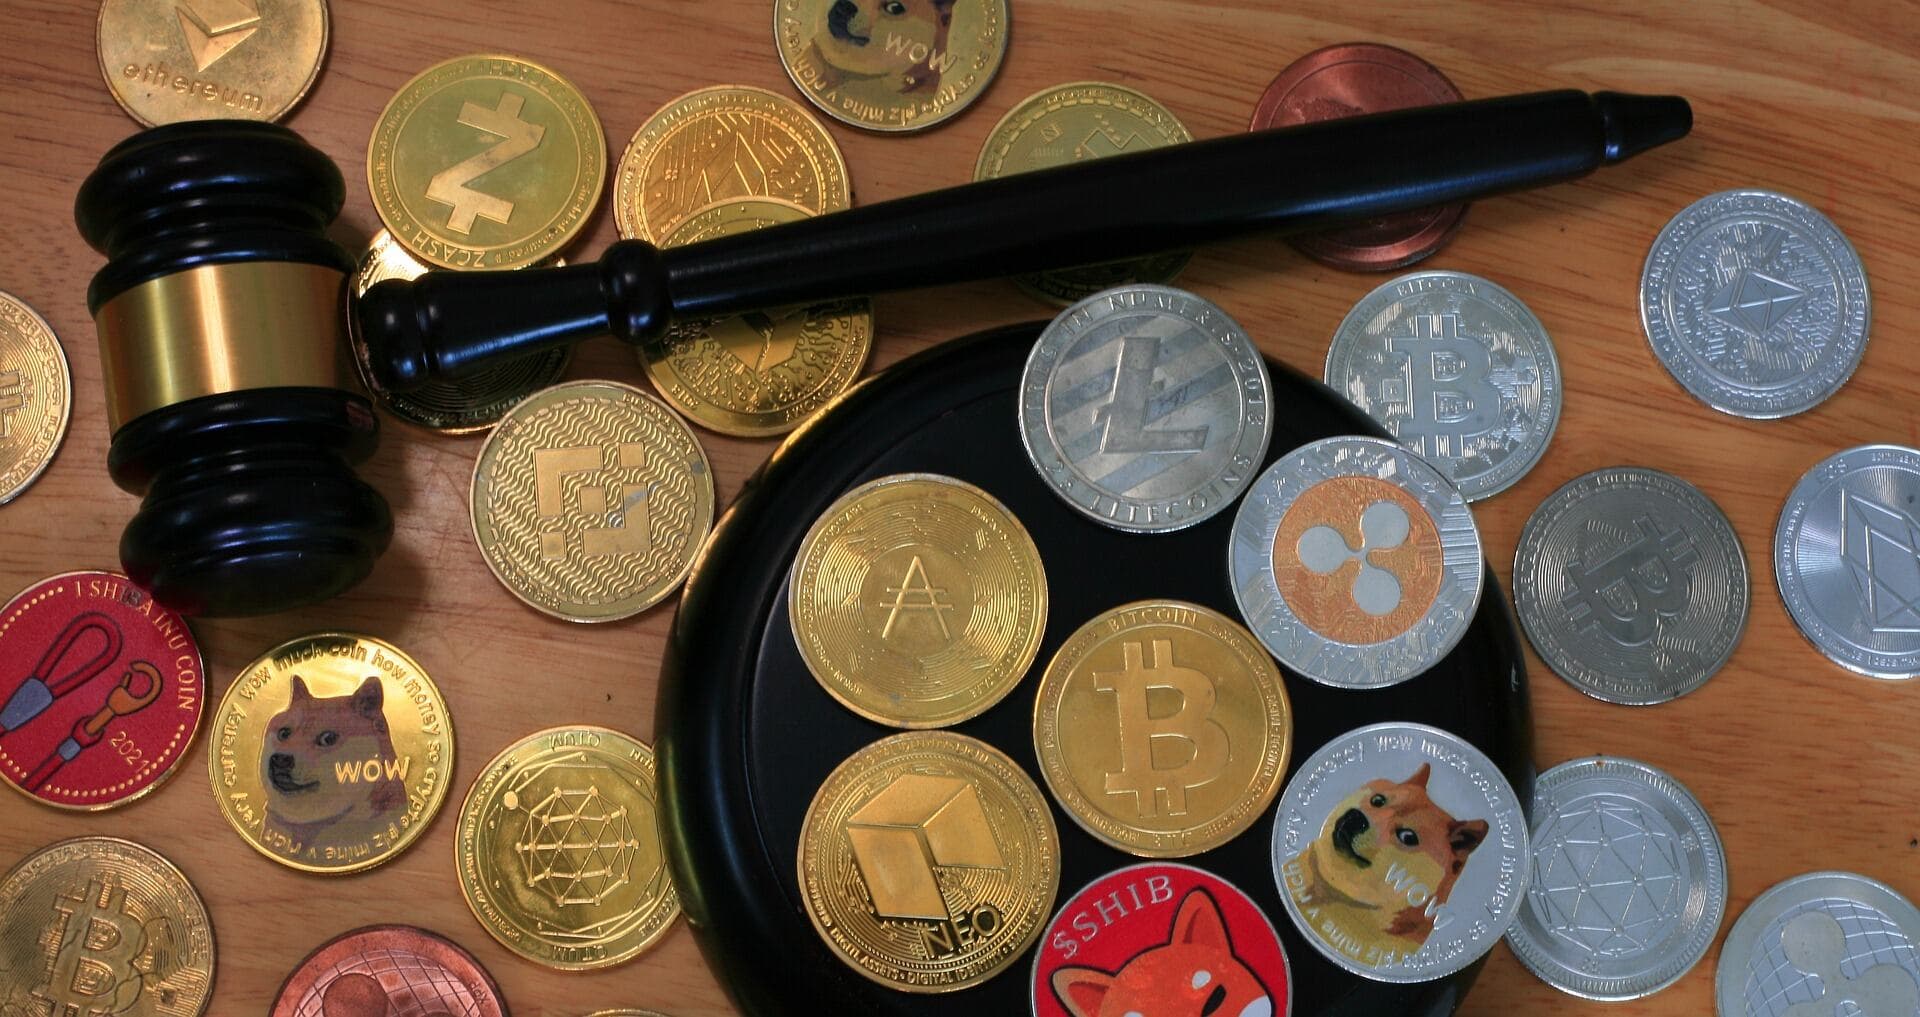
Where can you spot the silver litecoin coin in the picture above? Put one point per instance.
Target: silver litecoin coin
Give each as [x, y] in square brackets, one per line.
[1401, 852]
[1456, 368]
[1847, 557]
[1146, 408]
[1629, 881]
[1632, 585]
[1756, 303]
[1355, 562]
[1822, 943]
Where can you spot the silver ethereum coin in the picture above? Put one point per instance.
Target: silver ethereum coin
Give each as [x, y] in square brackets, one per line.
[1355, 562]
[1457, 369]
[1846, 554]
[1146, 408]
[1401, 852]
[1629, 880]
[1756, 303]
[1822, 943]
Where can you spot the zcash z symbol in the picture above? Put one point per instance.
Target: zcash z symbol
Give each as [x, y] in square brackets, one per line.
[627, 528]
[518, 137]
[1193, 723]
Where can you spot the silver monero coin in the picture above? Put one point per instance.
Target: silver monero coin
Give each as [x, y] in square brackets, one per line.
[1822, 943]
[1847, 557]
[1401, 852]
[1629, 880]
[1146, 408]
[1756, 303]
[1456, 368]
[1632, 585]
[1355, 562]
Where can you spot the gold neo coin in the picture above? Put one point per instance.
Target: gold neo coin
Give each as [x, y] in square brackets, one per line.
[559, 852]
[929, 861]
[917, 600]
[891, 65]
[486, 161]
[210, 59]
[36, 396]
[332, 753]
[1163, 728]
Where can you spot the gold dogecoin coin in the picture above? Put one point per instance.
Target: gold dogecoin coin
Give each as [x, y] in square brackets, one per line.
[917, 600]
[891, 66]
[486, 161]
[1163, 728]
[559, 852]
[36, 396]
[333, 753]
[210, 59]
[929, 861]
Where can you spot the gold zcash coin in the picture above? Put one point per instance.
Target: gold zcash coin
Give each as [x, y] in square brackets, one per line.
[210, 59]
[99, 925]
[929, 861]
[36, 396]
[1163, 728]
[891, 65]
[917, 600]
[559, 852]
[332, 752]
[486, 161]
[591, 500]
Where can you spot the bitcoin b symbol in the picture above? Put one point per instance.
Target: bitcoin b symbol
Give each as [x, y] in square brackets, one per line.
[93, 971]
[518, 137]
[1627, 592]
[13, 398]
[1447, 387]
[1192, 723]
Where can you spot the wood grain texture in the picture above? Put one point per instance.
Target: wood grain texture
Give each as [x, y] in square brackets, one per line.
[1803, 766]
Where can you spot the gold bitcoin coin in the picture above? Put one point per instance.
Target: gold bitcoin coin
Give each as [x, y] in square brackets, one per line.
[891, 65]
[99, 925]
[1163, 728]
[332, 753]
[486, 161]
[559, 852]
[728, 141]
[929, 861]
[590, 501]
[917, 600]
[210, 59]
[1074, 123]
[36, 396]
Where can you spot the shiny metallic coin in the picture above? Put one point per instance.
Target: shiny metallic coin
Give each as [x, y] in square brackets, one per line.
[36, 396]
[210, 59]
[382, 969]
[1822, 943]
[1629, 880]
[1146, 408]
[1846, 554]
[891, 66]
[1756, 303]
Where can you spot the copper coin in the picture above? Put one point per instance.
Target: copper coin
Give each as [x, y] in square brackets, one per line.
[1349, 80]
[389, 969]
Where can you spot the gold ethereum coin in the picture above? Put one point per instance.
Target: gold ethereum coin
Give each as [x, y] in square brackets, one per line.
[210, 59]
[917, 600]
[36, 396]
[486, 161]
[891, 65]
[559, 852]
[333, 753]
[929, 861]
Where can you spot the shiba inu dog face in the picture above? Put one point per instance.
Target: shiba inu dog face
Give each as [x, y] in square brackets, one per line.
[330, 759]
[870, 38]
[1388, 846]
[1194, 973]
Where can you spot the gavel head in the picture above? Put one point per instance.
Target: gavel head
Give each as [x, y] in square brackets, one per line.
[223, 354]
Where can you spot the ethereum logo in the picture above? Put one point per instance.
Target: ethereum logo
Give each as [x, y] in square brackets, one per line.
[1881, 547]
[760, 340]
[918, 822]
[1754, 303]
[213, 28]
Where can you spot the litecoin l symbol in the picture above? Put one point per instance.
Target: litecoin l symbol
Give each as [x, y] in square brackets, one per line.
[1448, 389]
[13, 399]
[518, 137]
[1139, 729]
[926, 597]
[93, 970]
[1627, 592]
[1127, 413]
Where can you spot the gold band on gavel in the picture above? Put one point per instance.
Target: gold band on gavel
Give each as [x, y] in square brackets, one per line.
[220, 328]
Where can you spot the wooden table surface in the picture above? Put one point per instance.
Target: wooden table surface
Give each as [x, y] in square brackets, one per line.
[1802, 765]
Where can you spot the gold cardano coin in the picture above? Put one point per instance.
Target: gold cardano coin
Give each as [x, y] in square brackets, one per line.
[590, 501]
[99, 925]
[917, 600]
[929, 861]
[559, 852]
[36, 396]
[486, 161]
[891, 65]
[210, 59]
[1163, 728]
[763, 372]
[332, 753]
[727, 141]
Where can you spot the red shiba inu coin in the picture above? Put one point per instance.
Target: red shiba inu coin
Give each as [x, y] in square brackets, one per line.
[389, 969]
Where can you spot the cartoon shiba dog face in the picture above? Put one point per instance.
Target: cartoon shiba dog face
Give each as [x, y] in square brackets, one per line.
[870, 38]
[316, 760]
[1195, 972]
[1388, 846]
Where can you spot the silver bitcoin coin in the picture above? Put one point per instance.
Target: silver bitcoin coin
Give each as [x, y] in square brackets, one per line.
[1632, 585]
[1456, 368]
[1146, 408]
[1629, 880]
[1355, 562]
[1756, 303]
[1822, 943]
[1846, 554]
[1401, 852]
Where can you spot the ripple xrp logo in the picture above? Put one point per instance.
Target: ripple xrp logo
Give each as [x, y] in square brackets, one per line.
[1834, 958]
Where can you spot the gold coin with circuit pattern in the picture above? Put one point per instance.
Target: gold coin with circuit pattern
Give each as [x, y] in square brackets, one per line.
[36, 396]
[210, 59]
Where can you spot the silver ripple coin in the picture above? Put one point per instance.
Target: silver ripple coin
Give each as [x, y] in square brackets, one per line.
[1825, 943]
[1355, 562]
[1401, 852]
[1146, 408]
[1456, 368]
[1629, 881]
[1632, 585]
[1847, 557]
[1756, 303]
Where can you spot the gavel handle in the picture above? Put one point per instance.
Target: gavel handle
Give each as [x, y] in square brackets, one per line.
[446, 324]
